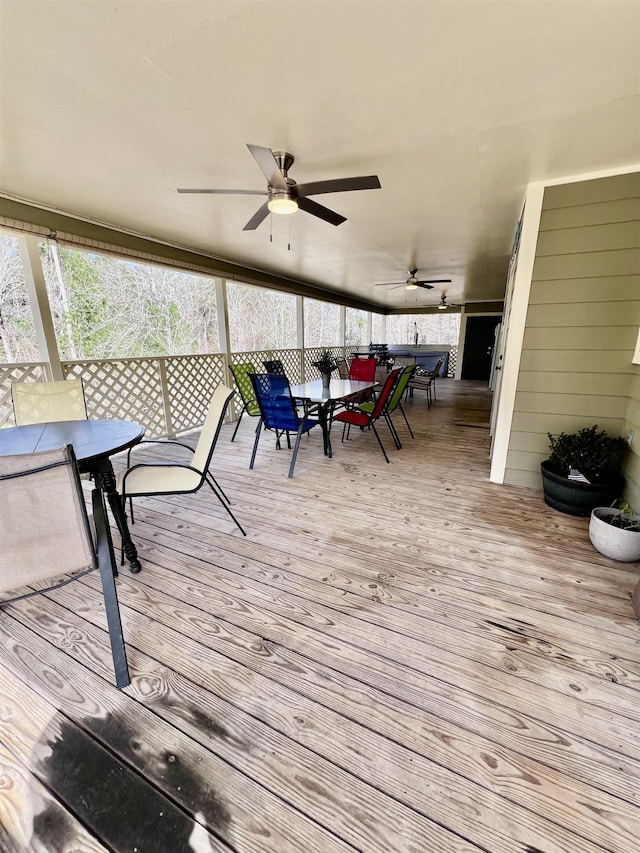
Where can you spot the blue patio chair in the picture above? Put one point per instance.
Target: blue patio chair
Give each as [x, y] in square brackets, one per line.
[278, 412]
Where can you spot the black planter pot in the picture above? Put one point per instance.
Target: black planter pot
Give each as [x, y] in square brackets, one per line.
[575, 498]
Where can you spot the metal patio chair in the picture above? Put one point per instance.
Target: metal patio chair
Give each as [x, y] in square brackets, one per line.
[240, 373]
[179, 478]
[278, 412]
[395, 401]
[44, 402]
[45, 532]
[360, 418]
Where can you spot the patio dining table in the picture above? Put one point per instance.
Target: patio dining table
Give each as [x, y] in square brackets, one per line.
[325, 400]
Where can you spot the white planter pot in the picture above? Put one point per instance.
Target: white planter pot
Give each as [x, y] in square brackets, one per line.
[613, 542]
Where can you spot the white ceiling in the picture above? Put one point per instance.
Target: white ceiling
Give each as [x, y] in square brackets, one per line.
[107, 107]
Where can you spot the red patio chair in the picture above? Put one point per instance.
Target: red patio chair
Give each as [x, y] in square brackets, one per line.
[361, 370]
[364, 419]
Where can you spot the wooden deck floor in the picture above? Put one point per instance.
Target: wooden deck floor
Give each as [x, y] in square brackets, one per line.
[398, 657]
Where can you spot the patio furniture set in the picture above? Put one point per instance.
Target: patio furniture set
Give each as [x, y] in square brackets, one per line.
[45, 530]
[352, 400]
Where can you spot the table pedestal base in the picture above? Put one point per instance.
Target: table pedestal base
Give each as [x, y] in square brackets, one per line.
[106, 480]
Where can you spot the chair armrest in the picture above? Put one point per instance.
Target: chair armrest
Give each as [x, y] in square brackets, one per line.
[157, 441]
[157, 465]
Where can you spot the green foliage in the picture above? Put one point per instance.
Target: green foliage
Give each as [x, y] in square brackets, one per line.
[594, 453]
[626, 519]
[325, 362]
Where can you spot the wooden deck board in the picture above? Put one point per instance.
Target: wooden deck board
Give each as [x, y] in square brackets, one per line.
[398, 657]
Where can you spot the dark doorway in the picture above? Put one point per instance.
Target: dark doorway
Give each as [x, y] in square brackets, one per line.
[478, 347]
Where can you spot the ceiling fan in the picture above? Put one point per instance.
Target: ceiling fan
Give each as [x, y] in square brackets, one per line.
[284, 195]
[444, 304]
[412, 282]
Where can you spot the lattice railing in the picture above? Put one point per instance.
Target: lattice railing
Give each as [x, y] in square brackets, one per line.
[292, 361]
[201, 374]
[453, 358]
[313, 354]
[123, 389]
[166, 395]
[28, 372]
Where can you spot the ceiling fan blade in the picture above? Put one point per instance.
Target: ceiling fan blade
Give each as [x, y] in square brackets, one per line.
[423, 284]
[222, 192]
[388, 283]
[435, 281]
[339, 185]
[259, 216]
[320, 211]
[268, 165]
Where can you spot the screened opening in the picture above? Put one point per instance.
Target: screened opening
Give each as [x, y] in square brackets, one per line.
[17, 335]
[321, 323]
[108, 307]
[260, 319]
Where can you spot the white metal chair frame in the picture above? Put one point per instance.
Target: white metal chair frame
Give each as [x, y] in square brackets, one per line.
[83, 550]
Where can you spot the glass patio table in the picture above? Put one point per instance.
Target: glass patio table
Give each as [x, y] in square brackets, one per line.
[94, 441]
[326, 399]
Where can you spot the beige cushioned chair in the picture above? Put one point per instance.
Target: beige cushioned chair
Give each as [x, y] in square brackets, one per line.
[45, 533]
[43, 402]
[171, 478]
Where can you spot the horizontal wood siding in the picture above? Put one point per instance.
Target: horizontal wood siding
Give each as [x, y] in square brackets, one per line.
[582, 324]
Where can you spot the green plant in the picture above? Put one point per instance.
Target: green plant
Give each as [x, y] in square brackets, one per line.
[325, 362]
[626, 519]
[594, 453]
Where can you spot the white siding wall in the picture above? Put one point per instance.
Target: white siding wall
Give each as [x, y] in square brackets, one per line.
[582, 321]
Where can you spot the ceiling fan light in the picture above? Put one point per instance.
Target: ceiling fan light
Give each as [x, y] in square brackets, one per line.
[442, 307]
[411, 285]
[282, 204]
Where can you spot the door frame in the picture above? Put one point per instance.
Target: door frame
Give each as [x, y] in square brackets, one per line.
[463, 334]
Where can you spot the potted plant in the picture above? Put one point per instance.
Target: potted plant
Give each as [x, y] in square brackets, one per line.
[615, 532]
[583, 470]
[326, 365]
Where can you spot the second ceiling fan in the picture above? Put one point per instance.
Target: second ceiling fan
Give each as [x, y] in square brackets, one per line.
[412, 283]
[284, 195]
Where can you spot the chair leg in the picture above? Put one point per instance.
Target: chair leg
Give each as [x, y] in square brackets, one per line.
[375, 432]
[255, 443]
[406, 421]
[392, 430]
[242, 411]
[106, 565]
[295, 449]
[218, 486]
[237, 523]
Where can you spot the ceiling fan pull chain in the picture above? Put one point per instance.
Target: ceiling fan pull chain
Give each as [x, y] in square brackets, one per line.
[289, 243]
[271, 228]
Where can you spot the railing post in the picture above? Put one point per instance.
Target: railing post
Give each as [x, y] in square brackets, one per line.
[300, 334]
[224, 343]
[165, 397]
[40, 308]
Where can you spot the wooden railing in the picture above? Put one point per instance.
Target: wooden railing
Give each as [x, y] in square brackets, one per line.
[168, 394]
